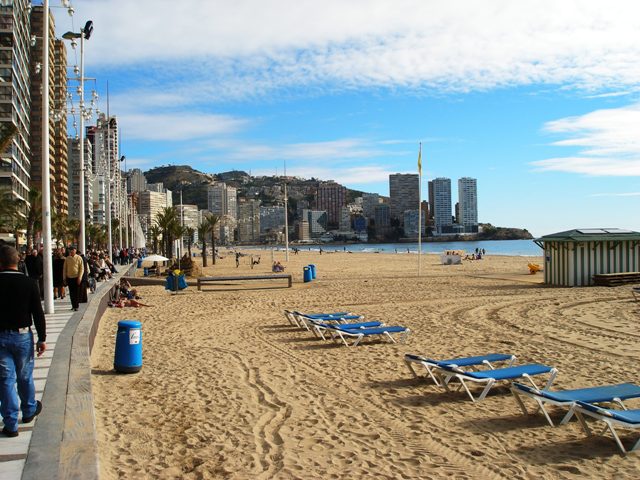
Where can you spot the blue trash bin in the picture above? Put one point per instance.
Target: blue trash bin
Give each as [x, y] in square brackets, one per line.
[312, 267]
[128, 357]
[306, 274]
[139, 263]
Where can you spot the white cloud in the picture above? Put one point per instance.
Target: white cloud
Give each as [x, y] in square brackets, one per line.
[628, 194]
[330, 151]
[250, 47]
[607, 140]
[176, 126]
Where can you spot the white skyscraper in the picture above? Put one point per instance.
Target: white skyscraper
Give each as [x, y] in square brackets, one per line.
[442, 205]
[468, 204]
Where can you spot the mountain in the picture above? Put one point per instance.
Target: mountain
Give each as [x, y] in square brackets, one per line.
[269, 190]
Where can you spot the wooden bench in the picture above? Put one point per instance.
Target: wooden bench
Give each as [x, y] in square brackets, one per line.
[615, 279]
[202, 280]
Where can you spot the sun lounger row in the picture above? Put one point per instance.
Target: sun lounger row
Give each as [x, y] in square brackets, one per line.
[581, 402]
[344, 326]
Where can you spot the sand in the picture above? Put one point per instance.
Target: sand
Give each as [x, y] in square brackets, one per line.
[230, 390]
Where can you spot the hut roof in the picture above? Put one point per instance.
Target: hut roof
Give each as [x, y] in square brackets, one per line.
[590, 235]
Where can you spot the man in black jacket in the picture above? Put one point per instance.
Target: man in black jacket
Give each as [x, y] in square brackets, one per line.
[20, 300]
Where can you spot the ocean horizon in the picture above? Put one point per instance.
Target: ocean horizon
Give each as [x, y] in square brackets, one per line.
[523, 248]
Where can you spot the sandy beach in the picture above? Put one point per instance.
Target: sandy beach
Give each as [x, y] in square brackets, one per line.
[229, 389]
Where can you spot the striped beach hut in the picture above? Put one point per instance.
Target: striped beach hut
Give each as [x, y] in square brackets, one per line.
[572, 258]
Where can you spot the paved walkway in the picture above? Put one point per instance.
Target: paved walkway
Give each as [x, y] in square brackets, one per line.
[13, 451]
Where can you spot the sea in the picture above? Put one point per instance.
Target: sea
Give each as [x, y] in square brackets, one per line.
[523, 248]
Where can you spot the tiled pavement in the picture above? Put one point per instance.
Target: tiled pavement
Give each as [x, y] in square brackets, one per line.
[13, 451]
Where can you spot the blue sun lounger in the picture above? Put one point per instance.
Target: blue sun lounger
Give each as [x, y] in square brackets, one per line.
[346, 331]
[432, 365]
[568, 398]
[490, 377]
[319, 327]
[303, 320]
[612, 418]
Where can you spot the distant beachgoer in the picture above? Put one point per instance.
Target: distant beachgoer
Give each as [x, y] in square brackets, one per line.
[483, 252]
[237, 259]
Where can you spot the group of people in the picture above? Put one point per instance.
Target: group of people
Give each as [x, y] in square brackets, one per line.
[277, 267]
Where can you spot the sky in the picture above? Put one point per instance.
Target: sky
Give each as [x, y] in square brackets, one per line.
[537, 100]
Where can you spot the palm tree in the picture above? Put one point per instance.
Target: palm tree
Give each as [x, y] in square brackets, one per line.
[94, 232]
[154, 233]
[167, 220]
[58, 226]
[203, 230]
[34, 215]
[11, 218]
[189, 232]
[72, 230]
[212, 223]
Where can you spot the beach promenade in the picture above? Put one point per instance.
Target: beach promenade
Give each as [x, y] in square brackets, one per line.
[229, 389]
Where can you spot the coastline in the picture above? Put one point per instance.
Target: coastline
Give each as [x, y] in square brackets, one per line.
[229, 389]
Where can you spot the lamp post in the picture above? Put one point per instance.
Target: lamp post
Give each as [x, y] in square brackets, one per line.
[46, 187]
[84, 33]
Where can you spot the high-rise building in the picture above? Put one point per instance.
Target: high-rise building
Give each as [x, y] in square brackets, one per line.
[468, 204]
[249, 221]
[74, 180]
[369, 203]
[58, 155]
[271, 219]
[404, 194]
[331, 197]
[222, 200]
[188, 216]
[155, 187]
[442, 205]
[382, 219]
[106, 167]
[136, 181]
[411, 223]
[345, 219]
[318, 220]
[150, 204]
[15, 159]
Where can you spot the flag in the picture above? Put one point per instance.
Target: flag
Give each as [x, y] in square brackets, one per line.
[420, 160]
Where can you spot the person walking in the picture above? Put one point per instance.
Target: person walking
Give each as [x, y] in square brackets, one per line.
[58, 277]
[20, 300]
[73, 271]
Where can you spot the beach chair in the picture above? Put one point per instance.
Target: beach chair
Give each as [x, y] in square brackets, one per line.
[612, 418]
[569, 398]
[308, 321]
[320, 327]
[432, 365]
[357, 334]
[296, 318]
[490, 377]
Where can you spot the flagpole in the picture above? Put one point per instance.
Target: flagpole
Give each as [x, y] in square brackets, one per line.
[420, 210]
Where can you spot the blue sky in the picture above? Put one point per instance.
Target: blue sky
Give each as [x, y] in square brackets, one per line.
[538, 100]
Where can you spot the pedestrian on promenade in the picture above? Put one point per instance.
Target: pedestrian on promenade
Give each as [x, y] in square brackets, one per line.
[73, 271]
[20, 300]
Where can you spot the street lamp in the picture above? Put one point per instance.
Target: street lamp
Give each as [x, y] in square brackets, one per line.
[85, 33]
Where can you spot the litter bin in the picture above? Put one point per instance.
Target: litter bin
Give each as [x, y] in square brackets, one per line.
[312, 267]
[128, 357]
[306, 274]
[146, 272]
[139, 263]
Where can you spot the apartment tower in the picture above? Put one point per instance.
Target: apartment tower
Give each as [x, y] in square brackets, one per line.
[468, 204]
